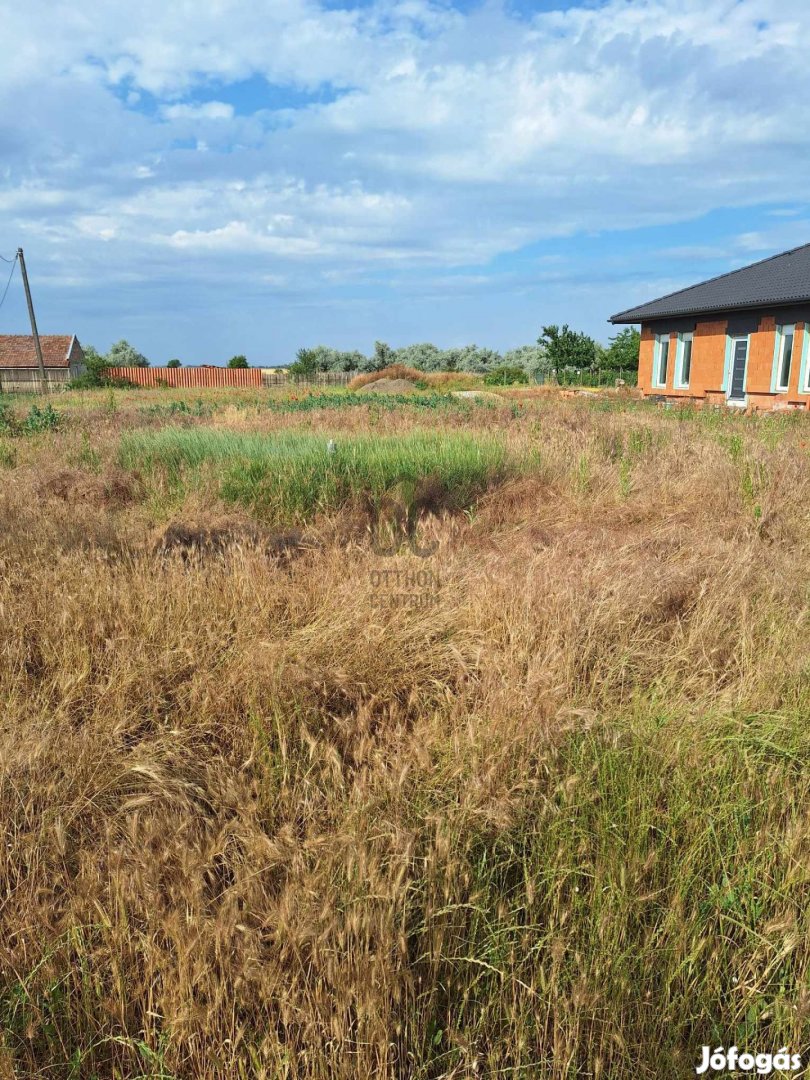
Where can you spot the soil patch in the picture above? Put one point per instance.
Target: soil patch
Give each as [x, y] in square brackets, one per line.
[113, 489]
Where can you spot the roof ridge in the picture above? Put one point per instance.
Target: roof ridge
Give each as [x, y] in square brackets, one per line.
[710, 280]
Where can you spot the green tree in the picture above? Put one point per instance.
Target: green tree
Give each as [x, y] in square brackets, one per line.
[622, 351]
[306, 362]
[238, 362]
[567, 348]
[174, 364]
[505, 375]
[122, 354]
[96, 369]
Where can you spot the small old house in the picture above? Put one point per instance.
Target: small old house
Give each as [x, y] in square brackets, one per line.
[740, 339]
[62, 357]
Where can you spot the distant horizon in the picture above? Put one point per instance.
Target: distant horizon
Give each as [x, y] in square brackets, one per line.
[344, 172]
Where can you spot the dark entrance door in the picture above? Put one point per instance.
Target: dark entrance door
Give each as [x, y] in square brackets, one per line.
[736, 387]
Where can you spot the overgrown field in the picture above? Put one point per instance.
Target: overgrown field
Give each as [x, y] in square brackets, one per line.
[352, 741]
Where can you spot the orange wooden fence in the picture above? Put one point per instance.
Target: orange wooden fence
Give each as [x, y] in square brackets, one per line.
[189, 378]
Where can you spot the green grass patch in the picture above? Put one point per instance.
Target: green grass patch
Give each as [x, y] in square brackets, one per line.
[351, 400]
[430, 401]
[290, 476]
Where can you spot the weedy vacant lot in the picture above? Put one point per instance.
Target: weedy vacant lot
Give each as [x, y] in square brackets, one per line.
[282, 798]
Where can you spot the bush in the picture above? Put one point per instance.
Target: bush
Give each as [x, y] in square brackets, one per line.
[238, 362]
[97, 367]
[173, 364]
[322, 358]
[505, 375]
[533, 359]
[471, 358]
[37, 420]
[424, 357]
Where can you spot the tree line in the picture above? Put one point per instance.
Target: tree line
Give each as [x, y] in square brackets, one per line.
[558, 349]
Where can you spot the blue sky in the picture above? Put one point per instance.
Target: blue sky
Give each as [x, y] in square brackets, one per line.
[212, 177]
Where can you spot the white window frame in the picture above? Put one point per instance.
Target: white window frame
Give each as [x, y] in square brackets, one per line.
[656, 372]
[680, 351]
[782, 333]
[732, 340]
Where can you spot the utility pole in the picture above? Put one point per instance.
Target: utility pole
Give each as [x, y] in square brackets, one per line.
[32, 317]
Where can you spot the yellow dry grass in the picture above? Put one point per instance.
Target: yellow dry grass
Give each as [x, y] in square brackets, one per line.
[534, 806]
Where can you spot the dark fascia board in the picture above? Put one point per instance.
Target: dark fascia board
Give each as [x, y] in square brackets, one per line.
[796, 311]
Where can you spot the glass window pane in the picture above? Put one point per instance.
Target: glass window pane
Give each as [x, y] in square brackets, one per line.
[686, 366]
[663, 360]
[787, 356]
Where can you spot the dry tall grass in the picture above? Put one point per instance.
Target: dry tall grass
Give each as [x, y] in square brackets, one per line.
[435, 380]
[534, 806]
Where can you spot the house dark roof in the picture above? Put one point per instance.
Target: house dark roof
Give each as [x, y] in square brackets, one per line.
[780, 279]
[18, 351]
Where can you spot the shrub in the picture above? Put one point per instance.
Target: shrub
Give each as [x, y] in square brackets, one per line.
[37, 420]
[505, 375]
[173, 364]
[323, 358]
[238, 362]
[533, 359]
[45, 419]
[424, 357]
[471, 358]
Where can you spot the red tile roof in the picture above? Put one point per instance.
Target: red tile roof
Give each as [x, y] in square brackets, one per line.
[17, 350]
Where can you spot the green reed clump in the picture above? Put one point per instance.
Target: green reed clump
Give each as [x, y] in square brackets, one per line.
[293, 475]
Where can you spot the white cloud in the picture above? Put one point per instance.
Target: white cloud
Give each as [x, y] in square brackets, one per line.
[402, 134]
[208, 110]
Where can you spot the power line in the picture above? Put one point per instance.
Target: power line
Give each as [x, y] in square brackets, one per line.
[5, 291]
[5, 260]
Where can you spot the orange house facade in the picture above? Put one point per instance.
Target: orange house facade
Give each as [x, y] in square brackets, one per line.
[740, 340]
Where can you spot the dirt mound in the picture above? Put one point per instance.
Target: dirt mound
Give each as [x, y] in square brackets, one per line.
[388, 386]
[393, 371]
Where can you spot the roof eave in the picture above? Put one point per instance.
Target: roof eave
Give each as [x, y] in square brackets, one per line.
[637, 315]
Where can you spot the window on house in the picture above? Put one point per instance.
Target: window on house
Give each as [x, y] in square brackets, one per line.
[661, 360]
[684, 366]
[784, 358]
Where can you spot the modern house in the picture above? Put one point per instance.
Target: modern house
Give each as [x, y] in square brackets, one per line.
[62, 357]
[740, 339]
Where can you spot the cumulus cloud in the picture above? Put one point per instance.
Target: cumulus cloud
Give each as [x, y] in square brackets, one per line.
[207, 110]
[302, 140]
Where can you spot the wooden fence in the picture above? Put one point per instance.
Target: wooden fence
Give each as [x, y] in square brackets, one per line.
[22, 381]
[205, 377]
[189, 378]
[272, 377]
